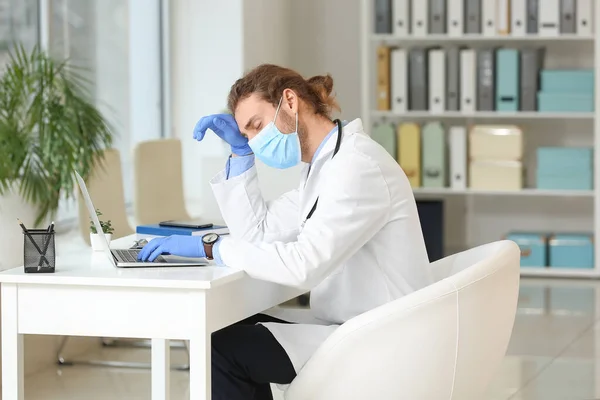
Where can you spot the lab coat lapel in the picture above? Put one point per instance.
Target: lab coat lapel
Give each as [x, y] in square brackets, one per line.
[311, 178]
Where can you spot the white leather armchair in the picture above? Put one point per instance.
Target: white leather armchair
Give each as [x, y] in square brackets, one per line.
[442, 342]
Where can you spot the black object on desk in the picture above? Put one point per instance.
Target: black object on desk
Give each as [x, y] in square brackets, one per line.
[39, 251]
[431, 214]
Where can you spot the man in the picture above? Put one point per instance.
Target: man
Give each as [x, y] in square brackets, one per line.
[350, 233]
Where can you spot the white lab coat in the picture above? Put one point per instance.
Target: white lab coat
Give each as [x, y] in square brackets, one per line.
[362, 247]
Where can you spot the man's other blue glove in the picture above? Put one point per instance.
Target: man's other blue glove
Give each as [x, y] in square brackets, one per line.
[178, 245]
[226, 128]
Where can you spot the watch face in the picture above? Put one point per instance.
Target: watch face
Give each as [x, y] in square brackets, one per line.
[210, 238]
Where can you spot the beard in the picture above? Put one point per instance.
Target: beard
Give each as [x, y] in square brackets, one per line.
[288, 123]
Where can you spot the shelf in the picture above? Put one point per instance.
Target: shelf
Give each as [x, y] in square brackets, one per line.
[559, 272]
[524, 192]
[437, 39]
[486, 115]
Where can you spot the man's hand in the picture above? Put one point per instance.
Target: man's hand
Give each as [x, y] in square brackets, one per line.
[226, 128]
[178, 245]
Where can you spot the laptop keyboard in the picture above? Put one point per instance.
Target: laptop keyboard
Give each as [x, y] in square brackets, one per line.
[126, 255]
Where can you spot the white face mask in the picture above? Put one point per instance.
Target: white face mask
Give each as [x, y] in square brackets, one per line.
[274, 148]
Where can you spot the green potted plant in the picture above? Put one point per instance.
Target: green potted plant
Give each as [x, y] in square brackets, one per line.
[107, 231]
[49, 127]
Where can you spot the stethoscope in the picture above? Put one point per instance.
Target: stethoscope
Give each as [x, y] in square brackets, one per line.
[337, 147]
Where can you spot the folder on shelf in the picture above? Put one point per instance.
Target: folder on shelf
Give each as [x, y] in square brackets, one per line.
[473, 16]
[585, 17]
[418, 83]
[503, 17]
[409, 152]
[437, 16]
[568, 22]
[433, 141]
[385, 135]
[383, 16]
[157, 230]
[488, 17]
[399, 80]
[548, 18]
[401, 14]
[532, 61]
[383, 78]
[458, 157]
[486, 72]
[507, 80]
[437, 81]
[420, 17]
[455, 18]
[468, 79]
[518, 17]
[453, 79]
[533, 16]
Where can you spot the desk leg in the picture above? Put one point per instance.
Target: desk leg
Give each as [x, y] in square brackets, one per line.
[200, 365]
[161, 369]
[12, 346]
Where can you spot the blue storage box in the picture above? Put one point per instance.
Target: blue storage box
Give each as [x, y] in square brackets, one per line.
[562, 182]
[565, 160]
[567, 81]
[565, 102]
[534, 251]
[571, 250]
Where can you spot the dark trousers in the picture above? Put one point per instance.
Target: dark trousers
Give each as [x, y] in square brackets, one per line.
[246, 358]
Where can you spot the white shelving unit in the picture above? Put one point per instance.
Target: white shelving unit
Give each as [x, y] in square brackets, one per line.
[579, 201]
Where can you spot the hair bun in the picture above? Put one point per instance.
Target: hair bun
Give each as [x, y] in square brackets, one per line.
[323, 84]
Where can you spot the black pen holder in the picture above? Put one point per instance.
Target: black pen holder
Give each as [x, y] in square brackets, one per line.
[38, 251]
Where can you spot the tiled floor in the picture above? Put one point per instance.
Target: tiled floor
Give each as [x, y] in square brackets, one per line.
[554, 354]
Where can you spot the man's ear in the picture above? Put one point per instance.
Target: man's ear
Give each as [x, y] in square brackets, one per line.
[290, 101]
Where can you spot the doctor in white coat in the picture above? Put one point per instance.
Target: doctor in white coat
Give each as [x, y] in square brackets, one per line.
[349, 233]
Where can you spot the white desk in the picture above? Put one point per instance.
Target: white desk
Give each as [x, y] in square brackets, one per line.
[87, 296]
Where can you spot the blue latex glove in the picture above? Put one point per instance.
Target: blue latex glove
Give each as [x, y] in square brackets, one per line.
[178, 245]
[226, 128]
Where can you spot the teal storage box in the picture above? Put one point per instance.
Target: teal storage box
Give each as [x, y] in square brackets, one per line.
[565, 102]
[571, 250]
[565, 160]
[534, 251]
[564, 182]
[507, 80]
[567, 81]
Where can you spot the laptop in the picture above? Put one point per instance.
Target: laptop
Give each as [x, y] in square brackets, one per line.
[127, 258]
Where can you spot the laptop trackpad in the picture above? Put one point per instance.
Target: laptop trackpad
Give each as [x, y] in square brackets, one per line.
[171, 259]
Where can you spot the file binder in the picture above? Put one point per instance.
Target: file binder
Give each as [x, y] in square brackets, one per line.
[468, 80]
[518, 12]
[399, 80]
[437, 16]
[434, 155]
[486, 72]
[488, 17]
[418, 85]
[503, 17]
[585, 17]
[568, 21]
[453, 79]
[456, 14]
[409, 152]
[383, 78]
[401, 14]
[420, 17]
[385, 135]
[458, 157]
[532, 16]
[473, 16]
[532, 61]
[383, 16]
[437, 81]
[548, 14]
[507, 80]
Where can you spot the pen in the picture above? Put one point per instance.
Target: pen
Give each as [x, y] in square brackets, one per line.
[49, 232]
